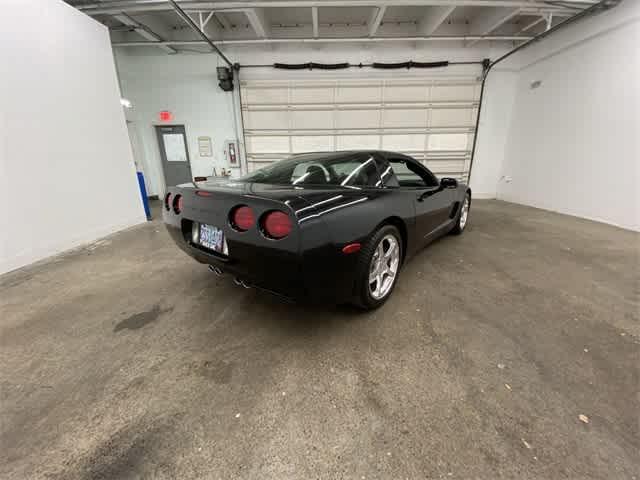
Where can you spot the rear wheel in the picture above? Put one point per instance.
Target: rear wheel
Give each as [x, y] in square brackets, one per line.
[378, 267]
[463, 216]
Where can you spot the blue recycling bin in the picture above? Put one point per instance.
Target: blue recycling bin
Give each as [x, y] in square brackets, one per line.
[143, 194]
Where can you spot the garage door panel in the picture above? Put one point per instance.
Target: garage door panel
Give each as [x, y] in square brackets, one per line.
[406, 142]
[312, 95]
[431, 118]
[267, 144]
[442, 93]
[451, 117]
[358, 94]
[357, 142]
[404, 118]
[405, 93]
[448, 141]
[311, 119]
[445, 165]
[258, 96]
[357, 119]
[267, 120]
[320, 143]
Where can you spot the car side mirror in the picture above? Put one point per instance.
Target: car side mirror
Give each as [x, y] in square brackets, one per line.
[448, 182]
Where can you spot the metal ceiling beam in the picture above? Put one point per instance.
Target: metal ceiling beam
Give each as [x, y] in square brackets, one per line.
[224, 22]
[433, 18]
[530, 25]
[115, 7]
[258, 21]
[375, 20]
[490, 23]
[182, 14]
[202, 19]
[143, 31]
[314, 20]
[437, 38]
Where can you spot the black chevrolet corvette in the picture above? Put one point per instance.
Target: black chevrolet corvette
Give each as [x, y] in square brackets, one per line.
[334, 227]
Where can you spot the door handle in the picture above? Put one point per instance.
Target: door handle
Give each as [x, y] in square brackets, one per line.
[428, 193]
[424, 195]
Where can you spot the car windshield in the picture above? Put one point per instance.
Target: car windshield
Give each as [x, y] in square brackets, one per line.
[346, 169]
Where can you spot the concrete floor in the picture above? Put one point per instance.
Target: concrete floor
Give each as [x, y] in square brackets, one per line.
[126, 359]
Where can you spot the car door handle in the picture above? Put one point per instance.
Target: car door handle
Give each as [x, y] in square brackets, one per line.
[428, 193]
[424, 195]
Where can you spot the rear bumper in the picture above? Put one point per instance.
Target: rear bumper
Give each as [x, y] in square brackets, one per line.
[323, 275]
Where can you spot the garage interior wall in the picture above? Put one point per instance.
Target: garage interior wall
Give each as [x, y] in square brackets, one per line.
[536, 146]
[67, 172]
[186, 85]
[573, 142]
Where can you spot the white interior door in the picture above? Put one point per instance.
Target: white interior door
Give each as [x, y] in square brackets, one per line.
[431, 119]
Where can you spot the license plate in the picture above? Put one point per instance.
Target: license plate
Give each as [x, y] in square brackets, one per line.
[211, 237]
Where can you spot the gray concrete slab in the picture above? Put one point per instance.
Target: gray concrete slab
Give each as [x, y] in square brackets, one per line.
[126, 359]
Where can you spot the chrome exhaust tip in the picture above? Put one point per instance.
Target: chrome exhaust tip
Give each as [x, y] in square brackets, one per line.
[217, 270]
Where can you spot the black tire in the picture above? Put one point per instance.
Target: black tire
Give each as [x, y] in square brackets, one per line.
[363, 296]
[458, 228]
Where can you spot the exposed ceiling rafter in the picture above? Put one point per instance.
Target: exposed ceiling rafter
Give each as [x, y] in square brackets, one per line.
[258, 21]
[438, 38]
[530, 25]
[433, 17]
[144, 31]
[115, 7]
[202, 19]
[314, 20]
[493, 21]
[376, 19]
[224, 22]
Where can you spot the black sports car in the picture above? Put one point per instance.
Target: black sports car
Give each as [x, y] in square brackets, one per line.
[334, 227]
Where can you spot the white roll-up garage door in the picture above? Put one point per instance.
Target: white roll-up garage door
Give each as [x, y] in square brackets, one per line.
[433, 120]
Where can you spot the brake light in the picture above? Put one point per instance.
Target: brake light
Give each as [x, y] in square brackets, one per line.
[177, 203]
[167, 201]
[276, 224]
[242, 218]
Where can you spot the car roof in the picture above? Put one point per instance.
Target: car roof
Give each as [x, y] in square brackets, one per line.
[311, 156]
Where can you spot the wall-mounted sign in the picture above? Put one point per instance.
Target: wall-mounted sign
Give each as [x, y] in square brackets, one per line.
[205, 148]
[166, 116]
[174, 147]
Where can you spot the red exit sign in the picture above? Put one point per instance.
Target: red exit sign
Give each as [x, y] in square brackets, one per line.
[166, 116]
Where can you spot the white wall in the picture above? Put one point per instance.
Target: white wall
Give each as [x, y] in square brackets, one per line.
[573, 145]
[186, 85]
[66, 168]
[495, 120]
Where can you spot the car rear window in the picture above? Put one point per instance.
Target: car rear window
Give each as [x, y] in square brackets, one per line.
[347, 170]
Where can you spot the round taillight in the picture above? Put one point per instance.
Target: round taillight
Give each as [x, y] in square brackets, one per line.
[177, 203]
[276, 224]
[167, 201]
[242, 218]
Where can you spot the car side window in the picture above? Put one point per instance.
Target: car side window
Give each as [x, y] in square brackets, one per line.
[409, 175]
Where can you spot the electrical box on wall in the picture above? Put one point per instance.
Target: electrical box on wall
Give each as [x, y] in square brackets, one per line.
[231, 153]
